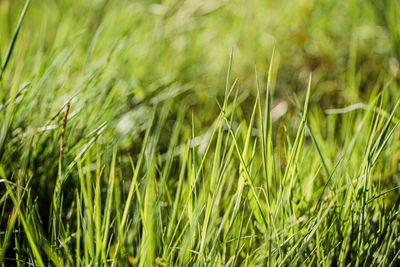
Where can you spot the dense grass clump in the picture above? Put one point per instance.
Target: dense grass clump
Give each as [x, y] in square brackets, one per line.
[129, 136]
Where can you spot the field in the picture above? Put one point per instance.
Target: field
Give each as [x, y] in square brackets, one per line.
[199, 133]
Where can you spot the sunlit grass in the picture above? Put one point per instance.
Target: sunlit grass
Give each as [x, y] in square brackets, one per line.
[130, 136]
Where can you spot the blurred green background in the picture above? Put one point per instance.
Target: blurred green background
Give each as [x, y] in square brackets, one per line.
[147, 51]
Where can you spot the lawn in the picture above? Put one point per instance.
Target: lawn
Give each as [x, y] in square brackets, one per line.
[199, 133]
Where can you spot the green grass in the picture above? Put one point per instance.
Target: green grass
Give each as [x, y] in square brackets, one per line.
[199, 133]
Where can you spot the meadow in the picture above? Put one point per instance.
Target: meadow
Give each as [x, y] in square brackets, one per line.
[199, 133]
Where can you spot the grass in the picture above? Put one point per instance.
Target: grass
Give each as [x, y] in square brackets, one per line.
[129, 135]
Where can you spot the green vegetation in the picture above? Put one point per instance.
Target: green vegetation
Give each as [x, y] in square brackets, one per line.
[206, 133]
